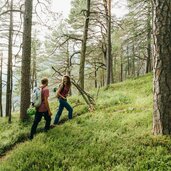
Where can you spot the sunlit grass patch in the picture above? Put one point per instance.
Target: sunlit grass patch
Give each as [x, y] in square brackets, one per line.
[115, 136]
[108, 100]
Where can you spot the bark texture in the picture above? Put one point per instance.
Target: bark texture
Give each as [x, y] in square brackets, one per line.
[26, 60]
[9, 70]
[83, 47]
[109, 59]
[162, 67]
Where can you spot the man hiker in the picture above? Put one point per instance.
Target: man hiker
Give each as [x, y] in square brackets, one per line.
[43, 109]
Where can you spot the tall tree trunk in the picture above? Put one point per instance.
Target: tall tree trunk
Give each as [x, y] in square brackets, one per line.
[9, 68]
[68, 71]
[110, 56]
[26, 60]
[109, 63]
[115, 67]
[1, 60]
[133, 60]
[34, 72]
[102, 78]
[162, 67]
[121, 77]
[95, 75]
[148, 62]
[83, 47]
[139, 62]
[128, 62]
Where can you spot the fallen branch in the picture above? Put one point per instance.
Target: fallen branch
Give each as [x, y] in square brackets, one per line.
[86, 96]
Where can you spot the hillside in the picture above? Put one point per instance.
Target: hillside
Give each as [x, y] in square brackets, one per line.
[116, 136]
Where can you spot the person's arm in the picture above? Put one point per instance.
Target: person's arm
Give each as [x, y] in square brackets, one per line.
[58, 94]
[47, 105]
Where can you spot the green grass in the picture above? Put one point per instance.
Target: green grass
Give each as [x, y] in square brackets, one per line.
[12, 133]
[116, 136]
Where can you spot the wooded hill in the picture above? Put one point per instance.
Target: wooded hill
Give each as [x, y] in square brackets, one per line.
[115, 136]
[91, 45]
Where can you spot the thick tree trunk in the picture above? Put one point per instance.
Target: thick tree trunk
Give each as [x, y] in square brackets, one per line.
[109, 61]
[162, 67]
[83, 47]
[26, 60]
[9, 69]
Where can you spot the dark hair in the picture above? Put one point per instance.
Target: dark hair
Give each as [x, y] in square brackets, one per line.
[44, 81]
[68, 83]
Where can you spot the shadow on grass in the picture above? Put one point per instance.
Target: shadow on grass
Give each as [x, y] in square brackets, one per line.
[25, 136]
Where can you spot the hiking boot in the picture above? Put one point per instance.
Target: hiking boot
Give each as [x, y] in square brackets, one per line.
[52, 126]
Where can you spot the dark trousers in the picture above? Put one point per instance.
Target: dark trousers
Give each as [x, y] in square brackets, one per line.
[37, 119]
[63, 104]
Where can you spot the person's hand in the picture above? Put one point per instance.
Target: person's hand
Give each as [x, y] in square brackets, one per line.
[64, 98]
[50, 113]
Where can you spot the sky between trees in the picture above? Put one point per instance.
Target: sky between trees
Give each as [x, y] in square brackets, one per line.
[119, 8]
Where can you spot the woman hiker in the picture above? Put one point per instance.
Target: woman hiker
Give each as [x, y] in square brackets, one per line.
[62, 94]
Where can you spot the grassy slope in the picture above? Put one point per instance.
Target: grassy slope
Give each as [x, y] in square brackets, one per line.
[116, 136]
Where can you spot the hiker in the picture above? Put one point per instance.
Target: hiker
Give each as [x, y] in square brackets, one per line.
[62, 94]
[43, 109]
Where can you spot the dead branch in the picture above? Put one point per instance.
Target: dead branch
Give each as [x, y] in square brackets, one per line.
[86, 96]
[6, 12]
